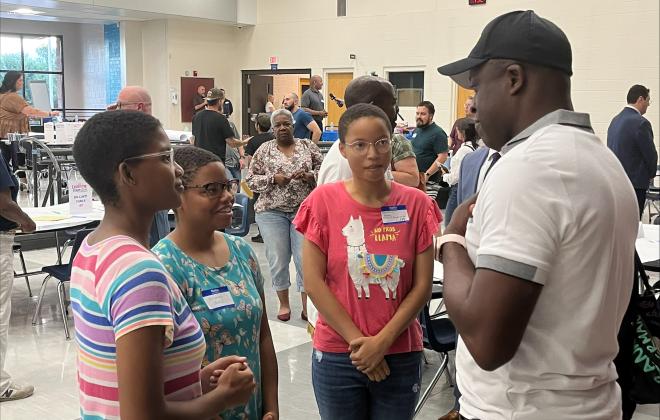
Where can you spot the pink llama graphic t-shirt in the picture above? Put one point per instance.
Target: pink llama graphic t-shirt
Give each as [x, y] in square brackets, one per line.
[370, 256]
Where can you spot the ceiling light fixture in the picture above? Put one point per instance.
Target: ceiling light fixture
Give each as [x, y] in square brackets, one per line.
[26, 11]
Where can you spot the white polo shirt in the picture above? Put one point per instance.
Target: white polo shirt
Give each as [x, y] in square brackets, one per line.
[557, 210]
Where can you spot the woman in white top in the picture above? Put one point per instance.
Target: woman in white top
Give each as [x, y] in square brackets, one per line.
[269, 105]
[467, 134]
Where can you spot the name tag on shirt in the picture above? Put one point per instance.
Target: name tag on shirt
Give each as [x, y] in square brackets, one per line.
[394, 215]
[218, 298]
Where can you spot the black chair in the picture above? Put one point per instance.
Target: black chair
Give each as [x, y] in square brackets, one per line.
[61, 272]
[439, 335]
[17, 248]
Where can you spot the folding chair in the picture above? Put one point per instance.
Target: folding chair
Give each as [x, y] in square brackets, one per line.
[61, 272]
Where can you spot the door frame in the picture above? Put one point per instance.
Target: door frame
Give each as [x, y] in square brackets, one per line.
[245, 90]
[330, 70]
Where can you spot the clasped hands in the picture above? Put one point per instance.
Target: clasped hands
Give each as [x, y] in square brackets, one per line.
[368, 356]
[283, 180]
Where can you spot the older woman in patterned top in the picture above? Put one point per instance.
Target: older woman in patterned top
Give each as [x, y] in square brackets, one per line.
[283, 172]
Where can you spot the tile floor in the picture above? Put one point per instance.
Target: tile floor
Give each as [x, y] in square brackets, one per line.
[41, 356]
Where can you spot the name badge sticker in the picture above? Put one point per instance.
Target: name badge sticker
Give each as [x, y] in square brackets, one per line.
[394, 215]
[218, 298]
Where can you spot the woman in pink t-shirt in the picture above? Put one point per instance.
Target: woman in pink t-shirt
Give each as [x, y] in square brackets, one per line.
[368, 264]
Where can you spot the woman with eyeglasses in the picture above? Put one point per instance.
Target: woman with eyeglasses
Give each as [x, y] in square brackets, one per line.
[368, 264]
[140, 348]
[283, 172]
[14, 110]
[220, 278]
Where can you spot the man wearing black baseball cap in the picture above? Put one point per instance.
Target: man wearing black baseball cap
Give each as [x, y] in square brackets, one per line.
[536, 267]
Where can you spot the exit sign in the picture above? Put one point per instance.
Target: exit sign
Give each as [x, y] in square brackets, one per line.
[474, 2]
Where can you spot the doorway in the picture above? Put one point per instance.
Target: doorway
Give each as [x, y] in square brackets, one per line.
[258, 84]
[462, 95]
[336, 85]
[189, 87]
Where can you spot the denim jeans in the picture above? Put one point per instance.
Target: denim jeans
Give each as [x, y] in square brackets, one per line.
[234, 171]
[282, 241]
[343, 392]
[452, 203]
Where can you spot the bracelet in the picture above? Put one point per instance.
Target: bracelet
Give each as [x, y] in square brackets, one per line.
[453, 238]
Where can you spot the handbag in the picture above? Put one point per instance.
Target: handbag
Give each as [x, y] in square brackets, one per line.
[646, 355]
[647, 304]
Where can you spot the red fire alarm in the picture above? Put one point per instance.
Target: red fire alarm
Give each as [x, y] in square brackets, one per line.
[475, 2]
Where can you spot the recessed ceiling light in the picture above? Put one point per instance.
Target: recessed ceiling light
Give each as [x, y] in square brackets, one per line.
[26, 11]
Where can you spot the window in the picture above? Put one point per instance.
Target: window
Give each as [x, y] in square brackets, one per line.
[38, 57]
[409, 87]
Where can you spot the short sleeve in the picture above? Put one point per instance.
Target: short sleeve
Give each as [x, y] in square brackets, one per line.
[306, 118]
[308, 221]
[14, 103]
[255, 268]
[6, 181]
[440, 143]
[140, 296]
[250, 147]
[306, 100]
[227, 132]
[519, 224]
[401, 148]
[429, 226]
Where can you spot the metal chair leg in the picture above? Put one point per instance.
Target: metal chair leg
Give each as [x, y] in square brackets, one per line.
[434, 381]
[60, 295]
[42, 291]
[27, 280]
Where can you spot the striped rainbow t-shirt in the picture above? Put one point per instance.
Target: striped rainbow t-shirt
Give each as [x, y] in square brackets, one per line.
[118, 286]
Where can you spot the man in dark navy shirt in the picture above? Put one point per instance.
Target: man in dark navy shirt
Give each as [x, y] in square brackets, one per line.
[11, 218]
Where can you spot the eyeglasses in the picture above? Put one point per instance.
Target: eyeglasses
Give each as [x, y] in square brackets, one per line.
[362, 147]
[215, 189]
[167, 155]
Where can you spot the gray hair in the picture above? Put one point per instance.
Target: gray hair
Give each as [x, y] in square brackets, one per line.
[278, 112]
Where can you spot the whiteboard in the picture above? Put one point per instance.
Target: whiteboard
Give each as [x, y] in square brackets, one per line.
[40, 95]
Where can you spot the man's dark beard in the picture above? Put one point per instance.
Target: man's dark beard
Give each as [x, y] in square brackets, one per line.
[289, 108]
[422, 125]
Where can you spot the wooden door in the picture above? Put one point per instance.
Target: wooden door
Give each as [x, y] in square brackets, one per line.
[189, 87]
[462, 95]
[336, 84]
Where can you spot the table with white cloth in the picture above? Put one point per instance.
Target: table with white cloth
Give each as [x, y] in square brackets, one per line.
[57, 218]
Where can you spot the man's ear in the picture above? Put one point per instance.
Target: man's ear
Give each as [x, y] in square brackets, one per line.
[516, 78]
[125, 175]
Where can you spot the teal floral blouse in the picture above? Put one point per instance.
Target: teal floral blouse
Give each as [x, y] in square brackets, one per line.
[232, 330]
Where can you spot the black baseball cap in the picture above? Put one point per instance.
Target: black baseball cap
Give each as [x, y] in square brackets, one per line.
[521, 35]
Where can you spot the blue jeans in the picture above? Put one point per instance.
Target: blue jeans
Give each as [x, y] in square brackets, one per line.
[343, 392]
[234, 171]
[282, 241]
[452, 203]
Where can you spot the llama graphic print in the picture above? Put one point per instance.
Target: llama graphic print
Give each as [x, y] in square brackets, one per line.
[366, 268]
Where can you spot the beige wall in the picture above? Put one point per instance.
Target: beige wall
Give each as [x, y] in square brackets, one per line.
[284, 84]
[615, 44]
[208, 48]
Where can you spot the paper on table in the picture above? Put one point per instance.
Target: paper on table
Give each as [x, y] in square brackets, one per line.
[50, 217]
